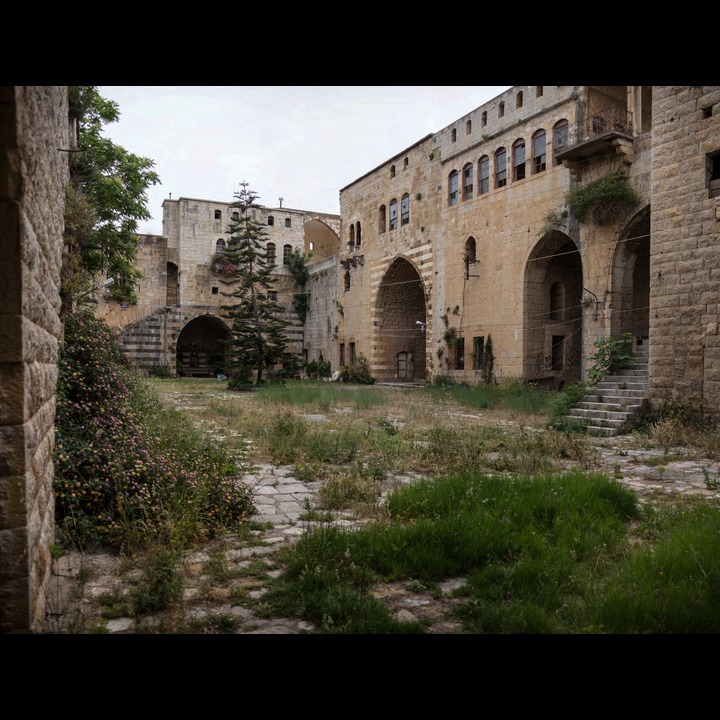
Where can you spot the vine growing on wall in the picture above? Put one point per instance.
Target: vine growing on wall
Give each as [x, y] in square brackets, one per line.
[603, 200]
[296, 263]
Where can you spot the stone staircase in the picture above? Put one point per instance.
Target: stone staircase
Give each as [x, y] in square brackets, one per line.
[615, 400]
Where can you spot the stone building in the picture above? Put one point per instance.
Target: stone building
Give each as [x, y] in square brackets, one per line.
[462, 255]
[34, 141]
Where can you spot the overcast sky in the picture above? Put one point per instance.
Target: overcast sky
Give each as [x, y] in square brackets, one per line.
[296, 142]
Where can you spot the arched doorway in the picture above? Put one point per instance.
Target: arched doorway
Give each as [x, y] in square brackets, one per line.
[552, 318]
[400, 318]
[200, 352]
[630, 297]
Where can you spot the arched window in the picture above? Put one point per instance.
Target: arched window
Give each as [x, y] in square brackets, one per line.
[470, 250]
[271, 220]
[393, 214]
[538, 90]
[453, 135]
[501, 110]
[392, 171]
[382, 219]
[270, 256]
[518, 150]
[467, 191]
[405, 209]
[483, 118]
[218, 215]
[468, 127]
[406, 161]
[519, 100]
[288, 222]
[538, 152]
[500, 167]
[560, 138]
[347, 280]
[287, 252]
[483, 175]
[351, 240]
[220, 246]
[236, 216]
[453, 188]
[357, 234]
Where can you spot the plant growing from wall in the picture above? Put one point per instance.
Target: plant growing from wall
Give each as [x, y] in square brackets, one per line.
[296, 263]
[488, 361]
[604, 199]
[258, 340]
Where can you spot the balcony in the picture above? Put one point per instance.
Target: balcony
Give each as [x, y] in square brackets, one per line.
[609, 130]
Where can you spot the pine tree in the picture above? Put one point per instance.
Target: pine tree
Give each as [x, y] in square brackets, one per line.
[258, 338]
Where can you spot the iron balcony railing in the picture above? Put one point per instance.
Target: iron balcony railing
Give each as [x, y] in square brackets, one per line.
[611, 120]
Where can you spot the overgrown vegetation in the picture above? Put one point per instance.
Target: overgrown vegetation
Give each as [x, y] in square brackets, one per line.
[604, 199]
[128, 471]
[297, 264]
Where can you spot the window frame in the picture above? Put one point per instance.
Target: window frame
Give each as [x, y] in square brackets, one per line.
[500, 173]
[519, 170]
[453, 179]
[468, 175]
[538, 152]
[484, 175]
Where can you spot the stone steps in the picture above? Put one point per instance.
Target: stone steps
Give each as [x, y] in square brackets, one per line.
[612, 403]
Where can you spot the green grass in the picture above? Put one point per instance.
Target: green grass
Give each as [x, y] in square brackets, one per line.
[543, 554]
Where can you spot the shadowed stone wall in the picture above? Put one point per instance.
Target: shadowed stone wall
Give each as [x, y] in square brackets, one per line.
[34, 131]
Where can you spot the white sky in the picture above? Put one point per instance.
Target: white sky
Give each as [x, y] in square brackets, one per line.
[299, 142]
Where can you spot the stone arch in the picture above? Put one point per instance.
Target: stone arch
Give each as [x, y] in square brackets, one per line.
[200, 351]
[399, 323]
[552, 316]
[320, 239]
[629, 302]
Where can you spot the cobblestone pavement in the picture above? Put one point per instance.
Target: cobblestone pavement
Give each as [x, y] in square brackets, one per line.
[281, 500]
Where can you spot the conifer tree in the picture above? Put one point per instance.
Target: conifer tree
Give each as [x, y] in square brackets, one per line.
[258, 338]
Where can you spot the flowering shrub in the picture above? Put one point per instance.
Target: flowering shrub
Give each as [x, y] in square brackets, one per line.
[126, 469]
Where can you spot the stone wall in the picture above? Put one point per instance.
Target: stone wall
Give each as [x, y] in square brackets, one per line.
[685, 260]
[34, 138]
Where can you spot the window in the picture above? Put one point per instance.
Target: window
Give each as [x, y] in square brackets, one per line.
[484, 175]
[347, 280]
[459, 359]
[478, 353]
[713, 173]
[519, 100]
[406, 161]
[236, 216]
[357, 234]
[453, 188]
[220, 246]
[392, 171]
[218, 215]
[382, 214]
[351, 240]
[272, 296]
[500, 168]
[352, 352]
[271, 220]
[501, 110]
[405, 209]
[518, 160]
[453, 135]
[467, 192]
[215, 290]
[287, 252]
[393, 214]
[468, 127]
[560, 138]
[270, 257]
[342, 354]
[538, 152]
[288, 222]
[483, 118]
[558, 351]
[538, 91]
[470, 249]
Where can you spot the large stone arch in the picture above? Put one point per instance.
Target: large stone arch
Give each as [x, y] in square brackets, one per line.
[399, 324]
[629, 301]
[200, 351]
[552, 317]
[320, 239]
